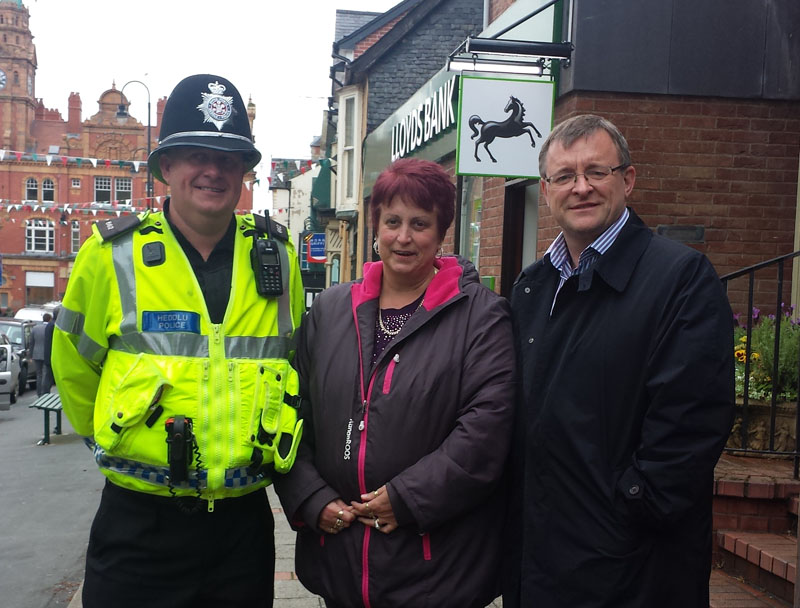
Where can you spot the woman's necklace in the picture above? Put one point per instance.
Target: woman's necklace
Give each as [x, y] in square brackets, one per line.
[399, 319]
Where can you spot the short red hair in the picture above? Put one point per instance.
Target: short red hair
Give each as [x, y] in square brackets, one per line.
[421, 182]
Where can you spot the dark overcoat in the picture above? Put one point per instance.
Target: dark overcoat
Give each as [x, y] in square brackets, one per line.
[626, 403]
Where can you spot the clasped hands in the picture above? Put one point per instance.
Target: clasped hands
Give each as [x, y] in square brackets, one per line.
[375, 511]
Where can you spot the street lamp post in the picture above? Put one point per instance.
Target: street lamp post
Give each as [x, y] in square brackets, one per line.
[122, 112]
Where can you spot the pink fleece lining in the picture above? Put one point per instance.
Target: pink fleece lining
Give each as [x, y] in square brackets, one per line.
[444, 285]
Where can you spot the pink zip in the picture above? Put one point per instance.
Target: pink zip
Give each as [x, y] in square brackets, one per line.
[426, 546]
[362, 455]
[387, 381]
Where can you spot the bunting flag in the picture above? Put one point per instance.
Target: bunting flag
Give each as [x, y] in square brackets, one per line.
[49, 158]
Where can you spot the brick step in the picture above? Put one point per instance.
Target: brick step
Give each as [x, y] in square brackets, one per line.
[727, 591]
[764, 559]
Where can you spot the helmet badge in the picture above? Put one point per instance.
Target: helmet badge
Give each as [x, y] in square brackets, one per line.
[215, 107]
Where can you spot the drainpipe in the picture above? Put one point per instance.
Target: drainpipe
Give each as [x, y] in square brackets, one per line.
[486, 4]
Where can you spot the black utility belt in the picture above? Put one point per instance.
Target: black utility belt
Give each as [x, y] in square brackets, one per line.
[155, 501]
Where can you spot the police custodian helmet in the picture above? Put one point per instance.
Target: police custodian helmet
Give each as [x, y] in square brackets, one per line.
[205, 111]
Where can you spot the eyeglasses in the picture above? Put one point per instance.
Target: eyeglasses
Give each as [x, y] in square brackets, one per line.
[594, 175]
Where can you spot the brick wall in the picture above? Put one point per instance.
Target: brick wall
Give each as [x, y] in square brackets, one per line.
[374, 37]
[498, 7]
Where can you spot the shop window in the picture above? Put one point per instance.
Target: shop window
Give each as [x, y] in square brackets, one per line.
[48, 190]
[39, 236]
[471, 211]
[335, 266]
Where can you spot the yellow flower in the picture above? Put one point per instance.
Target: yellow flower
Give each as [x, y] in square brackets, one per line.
[743, 339]
[741, 355]
[754, 356]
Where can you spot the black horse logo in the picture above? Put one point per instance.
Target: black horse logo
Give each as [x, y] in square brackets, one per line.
[510, 127]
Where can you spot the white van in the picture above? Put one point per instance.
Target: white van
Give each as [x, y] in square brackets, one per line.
[36, 313]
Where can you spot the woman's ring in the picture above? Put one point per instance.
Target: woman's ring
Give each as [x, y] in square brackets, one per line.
[367, 507]
[333, 530]
[340, 513]
[377, 524]
[339, 523]
[376, 493]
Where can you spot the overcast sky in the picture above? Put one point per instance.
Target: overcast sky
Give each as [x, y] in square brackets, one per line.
[276, 52]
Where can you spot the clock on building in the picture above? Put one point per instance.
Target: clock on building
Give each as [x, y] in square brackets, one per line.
[3, 79]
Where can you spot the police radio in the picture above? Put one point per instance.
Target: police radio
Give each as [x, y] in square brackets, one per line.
[180, 438]
[265, 256]
[266, 261]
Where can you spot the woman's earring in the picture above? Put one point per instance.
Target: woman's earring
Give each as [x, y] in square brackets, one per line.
[375, 247]
[440, 253]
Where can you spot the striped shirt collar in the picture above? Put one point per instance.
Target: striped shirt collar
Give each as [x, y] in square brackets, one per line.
[559, 254]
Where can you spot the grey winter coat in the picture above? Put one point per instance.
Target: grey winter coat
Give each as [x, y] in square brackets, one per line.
[432, 419]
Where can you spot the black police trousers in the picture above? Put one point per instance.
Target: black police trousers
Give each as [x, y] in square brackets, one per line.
[145, 551]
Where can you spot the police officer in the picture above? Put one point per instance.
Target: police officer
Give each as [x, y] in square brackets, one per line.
[172, 357]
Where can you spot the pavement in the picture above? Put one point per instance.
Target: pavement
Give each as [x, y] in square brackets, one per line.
[48, 497]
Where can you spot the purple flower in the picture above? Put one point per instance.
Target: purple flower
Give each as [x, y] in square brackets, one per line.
[771, 317]
[756, 312]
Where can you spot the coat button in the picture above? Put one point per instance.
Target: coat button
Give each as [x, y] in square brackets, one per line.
[530, 340]
[527, 290]
[633, 490]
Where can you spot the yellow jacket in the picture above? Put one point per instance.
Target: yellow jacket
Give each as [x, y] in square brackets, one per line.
[134, 346]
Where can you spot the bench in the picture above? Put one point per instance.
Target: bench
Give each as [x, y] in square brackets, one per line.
[49, 402]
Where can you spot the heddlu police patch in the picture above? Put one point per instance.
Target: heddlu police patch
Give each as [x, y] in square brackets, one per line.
[171, 320]
[216, 108]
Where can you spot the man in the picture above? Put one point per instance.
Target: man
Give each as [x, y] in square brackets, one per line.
[38, 348]
[625, 341]
[47, 379]
[171, 352]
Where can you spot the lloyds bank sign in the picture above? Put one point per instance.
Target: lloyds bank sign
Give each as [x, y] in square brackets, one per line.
[432, 116]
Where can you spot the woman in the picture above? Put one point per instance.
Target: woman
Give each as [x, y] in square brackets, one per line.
[409, 374]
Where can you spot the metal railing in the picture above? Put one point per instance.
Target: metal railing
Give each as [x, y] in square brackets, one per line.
[744, 413]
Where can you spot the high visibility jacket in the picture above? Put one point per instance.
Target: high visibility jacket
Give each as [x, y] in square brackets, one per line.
[134, 346]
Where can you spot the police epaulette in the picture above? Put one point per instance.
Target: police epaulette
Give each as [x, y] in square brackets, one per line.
[278, 230]
[270, 228]
[114, 227]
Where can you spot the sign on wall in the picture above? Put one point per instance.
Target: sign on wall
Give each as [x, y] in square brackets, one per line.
[316, 247]
[502, 123]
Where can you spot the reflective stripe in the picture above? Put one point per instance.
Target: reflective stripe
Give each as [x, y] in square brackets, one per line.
[91, 350]
[122, 253]
[247, 347]
[178, 344]
[71, 322]
[234, 478]
[285, 326]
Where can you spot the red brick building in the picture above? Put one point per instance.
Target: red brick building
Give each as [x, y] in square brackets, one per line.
[59, 176]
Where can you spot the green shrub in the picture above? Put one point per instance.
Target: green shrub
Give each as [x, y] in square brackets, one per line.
[762, 349]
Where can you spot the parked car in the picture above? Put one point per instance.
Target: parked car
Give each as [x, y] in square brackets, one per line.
[19, 332]
[9, 374]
